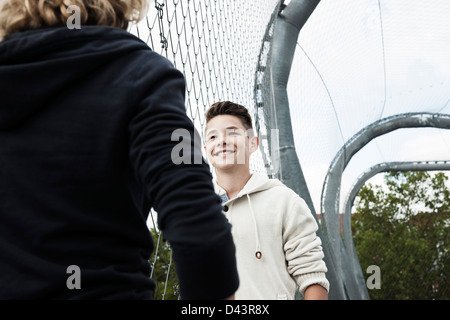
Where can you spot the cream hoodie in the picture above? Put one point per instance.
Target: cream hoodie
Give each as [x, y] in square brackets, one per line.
[272, 222]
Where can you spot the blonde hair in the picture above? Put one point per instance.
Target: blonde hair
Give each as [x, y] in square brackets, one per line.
[19, 15]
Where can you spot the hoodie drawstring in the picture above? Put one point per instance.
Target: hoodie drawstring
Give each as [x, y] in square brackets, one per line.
[258, 253]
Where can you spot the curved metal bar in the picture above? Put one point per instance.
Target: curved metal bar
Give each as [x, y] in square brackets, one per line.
[288, 24]
[331, 189]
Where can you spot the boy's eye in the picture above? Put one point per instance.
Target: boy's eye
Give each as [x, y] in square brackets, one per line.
[211, 137]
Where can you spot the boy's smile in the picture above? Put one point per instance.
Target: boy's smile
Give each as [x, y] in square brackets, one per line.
[224, 153]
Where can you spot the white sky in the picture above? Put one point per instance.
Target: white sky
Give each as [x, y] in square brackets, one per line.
[372, 67]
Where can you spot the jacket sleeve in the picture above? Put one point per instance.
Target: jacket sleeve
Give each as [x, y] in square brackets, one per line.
[302, 247]
[189, 212]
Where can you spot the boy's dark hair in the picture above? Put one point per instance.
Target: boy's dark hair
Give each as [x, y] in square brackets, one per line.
[230, 108]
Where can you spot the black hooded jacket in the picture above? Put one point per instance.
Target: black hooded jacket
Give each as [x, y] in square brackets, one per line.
[86, 123]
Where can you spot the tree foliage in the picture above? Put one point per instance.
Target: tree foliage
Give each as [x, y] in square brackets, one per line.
[163, 269]
[403, 228]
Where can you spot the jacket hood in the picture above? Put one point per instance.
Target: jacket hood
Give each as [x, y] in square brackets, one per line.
[37, 65]
[256, 183]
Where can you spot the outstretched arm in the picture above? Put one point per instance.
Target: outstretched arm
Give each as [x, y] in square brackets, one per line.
[189, 212]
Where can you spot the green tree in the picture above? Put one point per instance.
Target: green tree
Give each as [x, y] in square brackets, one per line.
[403, 228]
[163, 269]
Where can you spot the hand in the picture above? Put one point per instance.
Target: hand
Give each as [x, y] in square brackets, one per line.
[230, 297]
[316, 292]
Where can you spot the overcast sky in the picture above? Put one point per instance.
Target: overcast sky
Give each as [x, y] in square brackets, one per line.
[361, 60]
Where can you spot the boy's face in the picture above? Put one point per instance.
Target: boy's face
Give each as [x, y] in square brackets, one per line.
[228, 143]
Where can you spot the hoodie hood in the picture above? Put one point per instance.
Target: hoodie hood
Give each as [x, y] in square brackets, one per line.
[57, 56]
[256, 183]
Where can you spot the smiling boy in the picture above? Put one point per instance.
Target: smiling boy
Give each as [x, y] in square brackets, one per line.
[277, 249]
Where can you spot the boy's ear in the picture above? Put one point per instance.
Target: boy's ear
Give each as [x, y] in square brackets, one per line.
[254, 143]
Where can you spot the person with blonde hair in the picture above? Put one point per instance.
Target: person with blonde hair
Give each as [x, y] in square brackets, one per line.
[86, 118]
